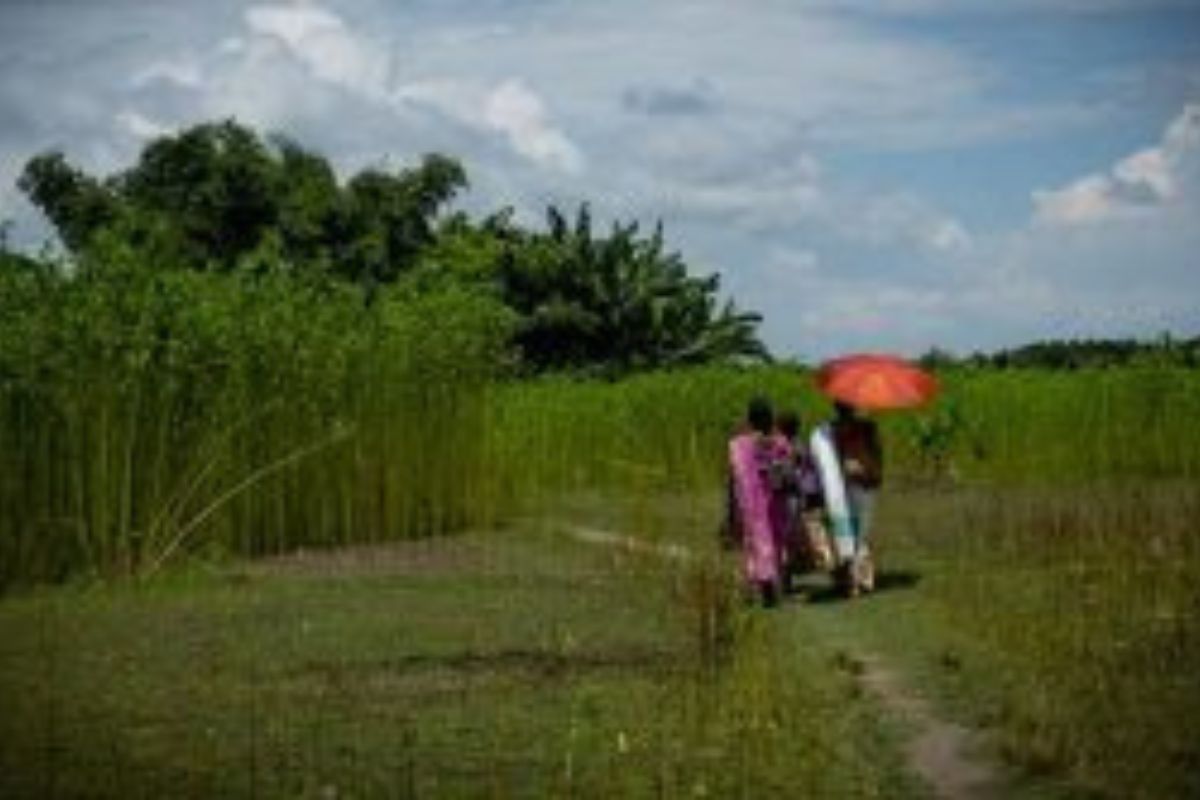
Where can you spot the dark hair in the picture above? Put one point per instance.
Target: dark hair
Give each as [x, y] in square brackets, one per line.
[760, 415]
[788, 423]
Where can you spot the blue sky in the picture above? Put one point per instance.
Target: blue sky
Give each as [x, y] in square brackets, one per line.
[868, 174]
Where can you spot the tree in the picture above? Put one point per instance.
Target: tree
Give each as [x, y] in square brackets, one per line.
[210, 195]
[218, 183]
[386, 219]
[218, 198]
[619, 300]
[75, 203]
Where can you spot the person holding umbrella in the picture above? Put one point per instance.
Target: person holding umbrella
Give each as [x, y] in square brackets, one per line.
[849, 453]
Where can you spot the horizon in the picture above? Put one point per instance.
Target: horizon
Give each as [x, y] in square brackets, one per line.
[868, 176]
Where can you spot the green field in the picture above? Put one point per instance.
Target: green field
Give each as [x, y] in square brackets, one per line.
[509, 664]
[1036, 538]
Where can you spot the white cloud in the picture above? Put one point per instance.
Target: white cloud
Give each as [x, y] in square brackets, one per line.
[321, 40]
[1149, 169]
[340, 55]
[1100, 280]
[185, 73]
[515, 110]
[1068, 275]
[937, 284]
[814, 302]
[1089, 199]
[889, 219]
[990, 7]
[948, 235]
[1137, 185]
[140, 126]
[745, 132]
[231, 45]
[756, 203]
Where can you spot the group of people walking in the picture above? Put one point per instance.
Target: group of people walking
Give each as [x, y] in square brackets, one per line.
[797, 504]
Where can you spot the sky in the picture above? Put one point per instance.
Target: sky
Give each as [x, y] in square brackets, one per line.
[886, 175]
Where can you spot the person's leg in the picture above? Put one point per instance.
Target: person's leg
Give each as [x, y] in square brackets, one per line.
[780, 523]
[818, 540]
[862, 505]
[761, 559]
[842, 532]
[770, 594]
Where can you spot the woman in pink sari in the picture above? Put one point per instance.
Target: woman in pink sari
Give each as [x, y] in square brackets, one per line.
[752, 454]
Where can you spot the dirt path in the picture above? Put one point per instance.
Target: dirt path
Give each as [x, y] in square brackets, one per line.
[940, 752]
[944, 754]
[671, 552]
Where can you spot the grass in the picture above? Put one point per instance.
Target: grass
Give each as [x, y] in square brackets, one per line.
[1055, 512]
[1071, 616]
[1043, 524]
[520, 663]
[149, 414]
[1063, 622]
[514, 664]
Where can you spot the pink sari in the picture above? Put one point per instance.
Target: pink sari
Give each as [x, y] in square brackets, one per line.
[763, 516]
[782, 514]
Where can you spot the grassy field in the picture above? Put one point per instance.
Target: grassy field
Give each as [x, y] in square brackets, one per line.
[1051, 517]
[512, 664]
[1037, 537]
[1062, 621]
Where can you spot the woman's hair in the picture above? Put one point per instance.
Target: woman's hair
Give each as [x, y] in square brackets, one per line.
[759, 414]
[788, 423]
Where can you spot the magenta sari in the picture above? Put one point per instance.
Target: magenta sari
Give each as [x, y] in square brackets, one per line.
[762, 514]
[783, 455]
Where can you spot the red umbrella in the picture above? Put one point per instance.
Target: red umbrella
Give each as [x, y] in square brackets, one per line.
[876, 382]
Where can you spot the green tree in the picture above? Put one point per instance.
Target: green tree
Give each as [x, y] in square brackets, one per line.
[76, 204]
[218, 198]
[620, 300]
[208, 196]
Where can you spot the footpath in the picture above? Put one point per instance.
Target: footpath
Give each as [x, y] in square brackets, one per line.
[946, 756]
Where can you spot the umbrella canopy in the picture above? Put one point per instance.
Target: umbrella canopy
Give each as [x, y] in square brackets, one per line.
[876, 382]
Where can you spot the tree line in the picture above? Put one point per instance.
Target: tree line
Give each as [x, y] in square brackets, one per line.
[1071, 354]
[218, 198]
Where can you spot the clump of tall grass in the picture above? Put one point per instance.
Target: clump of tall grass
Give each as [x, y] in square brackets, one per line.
[1013, 426]
[661, 431]
[1045, 427]
[145, 413]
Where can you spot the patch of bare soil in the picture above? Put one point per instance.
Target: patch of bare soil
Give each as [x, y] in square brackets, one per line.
[944, 754]
[457, 554]
[671, 552]
[532, 661]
